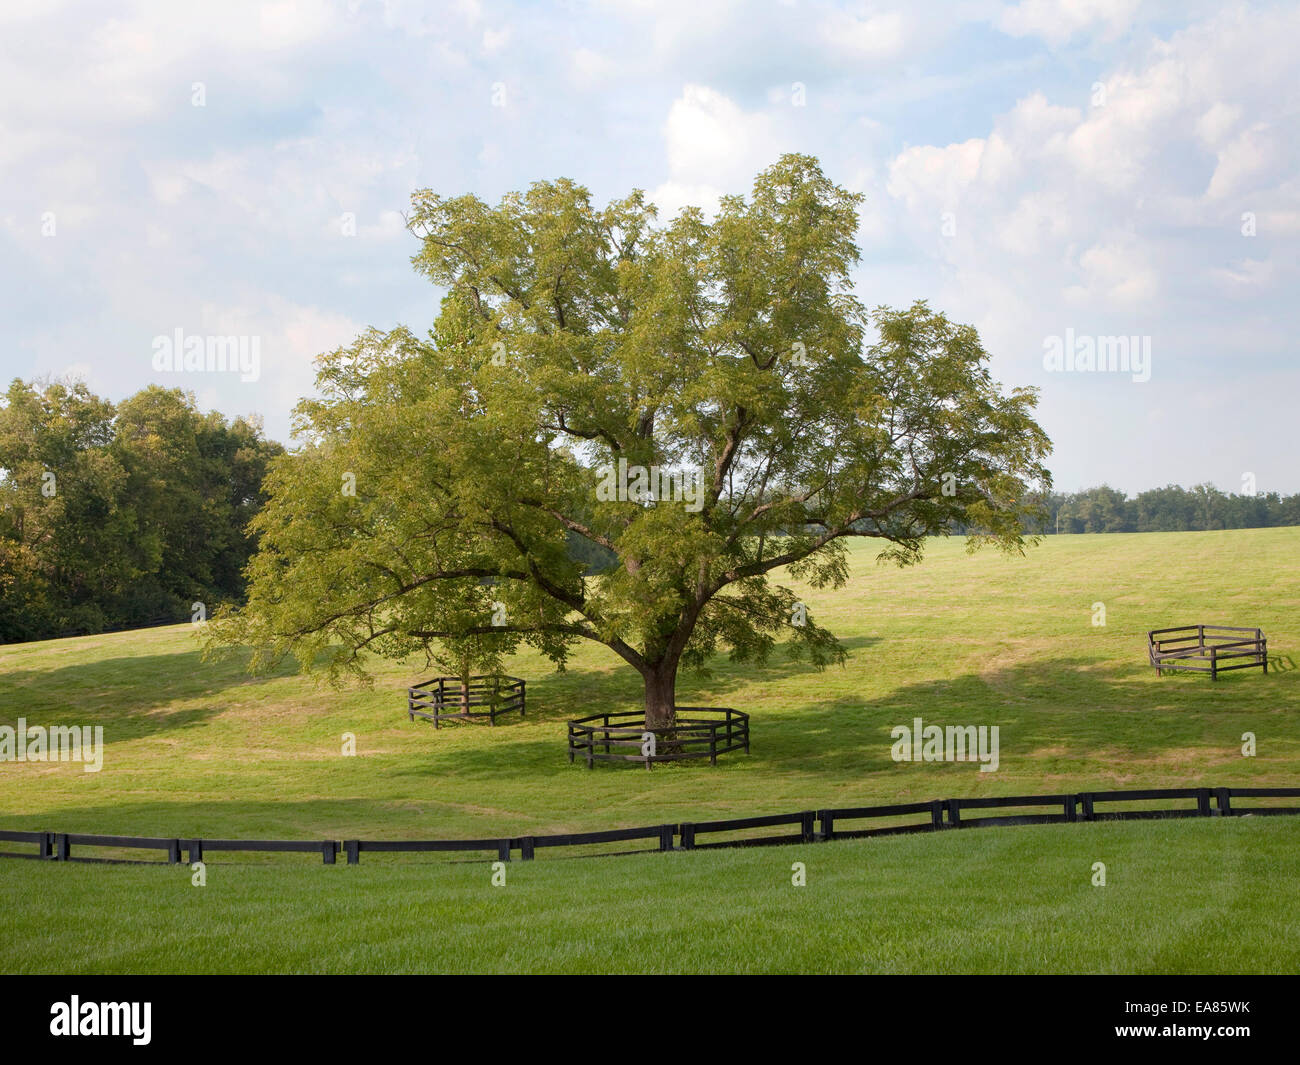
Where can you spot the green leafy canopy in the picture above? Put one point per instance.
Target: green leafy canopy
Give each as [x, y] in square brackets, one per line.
[571, 337]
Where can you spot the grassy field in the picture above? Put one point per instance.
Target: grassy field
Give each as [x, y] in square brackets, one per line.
[1190, 896]
[195, 748]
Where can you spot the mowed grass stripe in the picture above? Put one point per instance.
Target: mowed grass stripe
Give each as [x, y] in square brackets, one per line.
[1181, 897]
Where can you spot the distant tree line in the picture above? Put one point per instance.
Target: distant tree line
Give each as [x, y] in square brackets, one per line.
[1169, 509]
[118, 515]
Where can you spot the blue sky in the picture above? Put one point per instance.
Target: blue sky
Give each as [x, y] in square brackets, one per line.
[1043, 169]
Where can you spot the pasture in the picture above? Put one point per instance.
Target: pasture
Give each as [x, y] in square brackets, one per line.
[201, 748]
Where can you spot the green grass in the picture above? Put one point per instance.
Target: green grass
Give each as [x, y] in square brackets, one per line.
[1189, 896]
[203, 749]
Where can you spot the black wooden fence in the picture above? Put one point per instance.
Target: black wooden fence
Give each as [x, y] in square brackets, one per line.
[805, 826]
[697, 732]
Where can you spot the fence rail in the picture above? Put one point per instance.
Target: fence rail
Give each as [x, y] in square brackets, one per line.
[442, 699]
[353, 847]
[698, 732]
[828, 818]
[812, 826]
[1182, 647]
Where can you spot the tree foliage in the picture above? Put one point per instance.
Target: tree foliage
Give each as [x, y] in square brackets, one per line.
[114, 516]
[1169, 509]
[442, 476]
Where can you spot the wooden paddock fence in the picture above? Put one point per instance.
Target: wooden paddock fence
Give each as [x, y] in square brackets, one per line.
[442, 699]
[1201, 649]
[698, 732]
[804, 826]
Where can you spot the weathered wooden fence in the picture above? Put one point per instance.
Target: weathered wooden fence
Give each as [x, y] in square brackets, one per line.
[1201, 649]
[442, 699]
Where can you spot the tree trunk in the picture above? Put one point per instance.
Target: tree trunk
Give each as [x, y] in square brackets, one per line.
[660, 686]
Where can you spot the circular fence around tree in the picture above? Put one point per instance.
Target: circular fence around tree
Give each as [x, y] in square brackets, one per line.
[700, 732]
[453, 699]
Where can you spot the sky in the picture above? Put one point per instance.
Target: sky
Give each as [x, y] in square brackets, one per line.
[1069, 176]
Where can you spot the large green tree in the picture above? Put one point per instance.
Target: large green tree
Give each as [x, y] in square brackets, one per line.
[583, 350]
[113, 516]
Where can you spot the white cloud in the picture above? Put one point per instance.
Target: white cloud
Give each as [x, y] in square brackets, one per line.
[589, 69]
[928, 177]
[1215, 124]
[870, 37]
[1056, 21]
[1249, 158]
[713, 147]
[1115, 274]
[495, 40]
[1120, 218]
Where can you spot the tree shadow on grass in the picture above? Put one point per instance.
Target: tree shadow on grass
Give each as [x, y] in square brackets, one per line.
[569, 695]
[129, 695]
[270, 819]
[1049, 711]
[1055, 710]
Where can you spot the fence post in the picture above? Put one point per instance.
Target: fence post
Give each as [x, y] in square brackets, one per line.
[954, 813]
[936, 814]
[1071, 814]
[62, 848]
[47, 844]
[687, 832]
[666, 833]
[1203, 801]
[828, 824]
[1221, 796]
[503, 850]
[806, 819]
[174, 852]
[526, 846]
[1085, 798]
[196, 850]
[352, 848]
[329, 850]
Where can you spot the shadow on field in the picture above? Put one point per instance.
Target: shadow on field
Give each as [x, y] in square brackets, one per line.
[562, 696]
[125, 694]
[1062, 708]
[271, 818]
